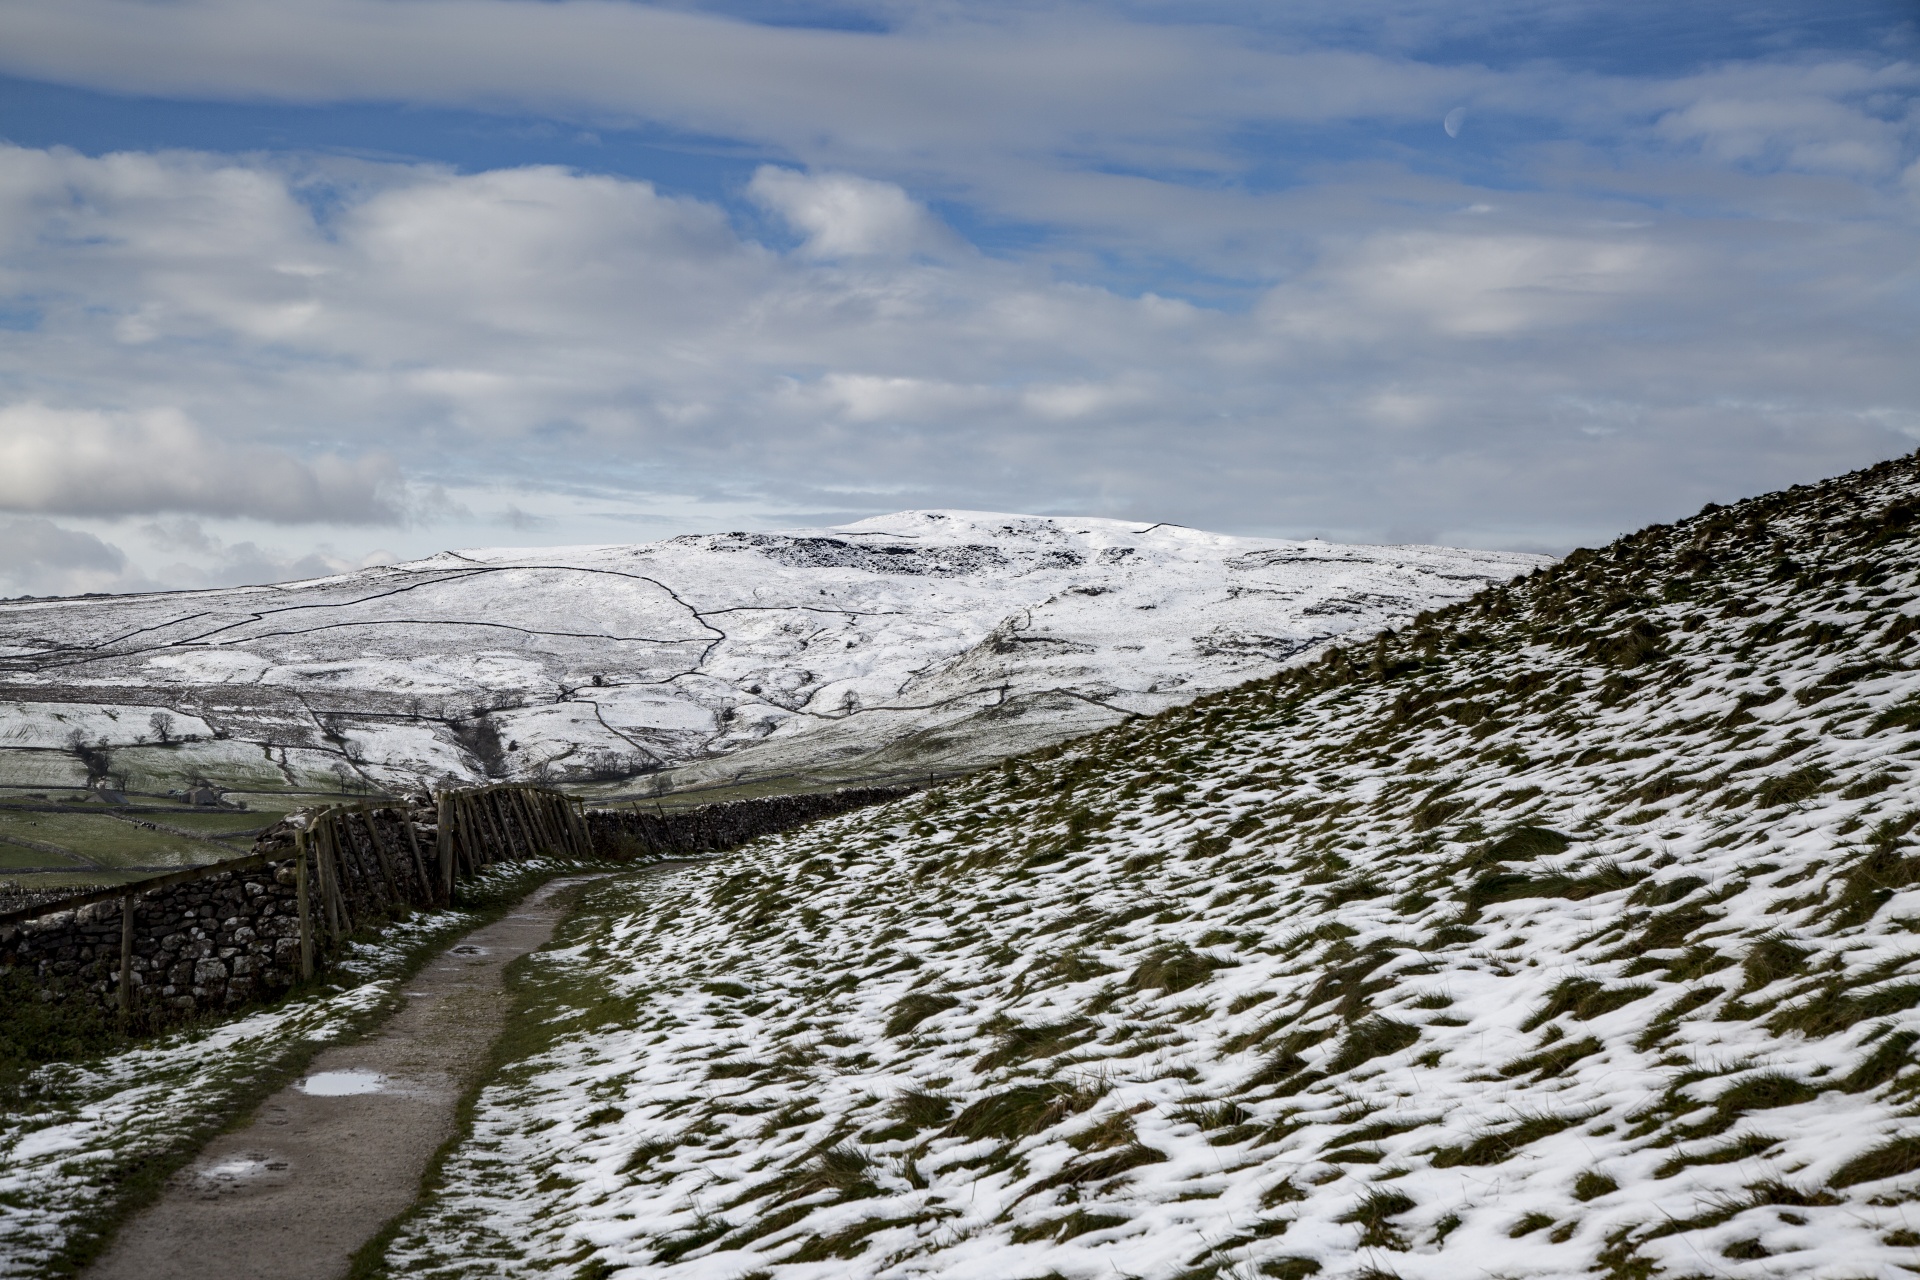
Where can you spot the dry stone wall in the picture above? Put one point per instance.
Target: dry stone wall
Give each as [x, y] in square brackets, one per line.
[211, 943]
[640, 832]
[214, 939]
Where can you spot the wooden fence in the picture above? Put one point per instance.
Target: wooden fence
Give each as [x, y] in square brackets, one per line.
[233, 932]
[363, 871]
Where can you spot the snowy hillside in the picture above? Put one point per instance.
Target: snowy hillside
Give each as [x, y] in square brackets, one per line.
[908, 644]
[1568, 933]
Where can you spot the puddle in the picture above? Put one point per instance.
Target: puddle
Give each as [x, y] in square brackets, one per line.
[468, 949]
[235, 1168]
[234, 1174]
[342, 1084]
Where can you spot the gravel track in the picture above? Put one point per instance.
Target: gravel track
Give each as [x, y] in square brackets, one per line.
[329, 1160]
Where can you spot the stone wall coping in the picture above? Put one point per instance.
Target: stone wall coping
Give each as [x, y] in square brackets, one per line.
[134, 888]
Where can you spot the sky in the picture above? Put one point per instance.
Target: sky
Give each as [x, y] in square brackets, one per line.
[289, 287]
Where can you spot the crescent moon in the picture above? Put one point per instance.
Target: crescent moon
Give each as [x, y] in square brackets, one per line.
[1455, 118]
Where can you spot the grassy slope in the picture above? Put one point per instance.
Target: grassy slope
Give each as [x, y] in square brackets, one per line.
[1570, 932]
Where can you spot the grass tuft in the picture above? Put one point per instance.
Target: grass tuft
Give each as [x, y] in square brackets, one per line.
[1019, 1112]
[913, 1009]
[1888, 1160]
[1172, 969]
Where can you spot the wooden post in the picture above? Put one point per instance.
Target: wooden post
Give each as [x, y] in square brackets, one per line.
[582, 833]
[485, 829]
[380, 852]
[559, 809]
[488, 825]
[329, 877]
[343, 900]
[303, 901]
[539, 838]
[443, 842]
[347, 871]
[126, 955]
[507, 805]
[540, 811]
[528, 844]
[490, 809]
[460, 812]
[540, 805]
[413, 847]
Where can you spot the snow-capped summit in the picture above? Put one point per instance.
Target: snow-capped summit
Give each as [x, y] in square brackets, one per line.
[906, 644]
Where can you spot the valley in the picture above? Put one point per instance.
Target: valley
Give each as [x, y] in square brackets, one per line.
[1566, 930]
[896, 649]
[1569, 931]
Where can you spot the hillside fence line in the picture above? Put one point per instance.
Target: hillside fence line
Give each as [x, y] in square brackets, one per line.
[215, 938]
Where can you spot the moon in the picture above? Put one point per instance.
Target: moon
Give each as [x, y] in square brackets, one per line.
[1455, 118]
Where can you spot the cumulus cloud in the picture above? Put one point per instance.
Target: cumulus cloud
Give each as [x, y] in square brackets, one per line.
[846, 216]
[590, 333]
[1610, 298]
[84, 462]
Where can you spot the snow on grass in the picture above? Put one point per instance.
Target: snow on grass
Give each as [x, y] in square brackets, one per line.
[798, 649]
[1570, 932]
[73, 1136]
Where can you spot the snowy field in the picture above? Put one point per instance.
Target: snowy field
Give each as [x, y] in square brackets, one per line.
[909, 644]
[1574, 936]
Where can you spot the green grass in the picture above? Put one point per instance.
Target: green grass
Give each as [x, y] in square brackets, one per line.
[110, 842]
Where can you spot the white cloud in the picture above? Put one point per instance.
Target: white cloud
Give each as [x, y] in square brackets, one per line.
[844, 216]
[578, 343]
[1485, 284]
[1828, 117]
[84, 462]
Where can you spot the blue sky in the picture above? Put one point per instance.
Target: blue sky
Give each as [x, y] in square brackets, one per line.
[291, 287]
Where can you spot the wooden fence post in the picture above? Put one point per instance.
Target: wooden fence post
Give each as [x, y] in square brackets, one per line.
[380, 852]
[582, 833]
[489, 807]
[413, 847]
[444, 845]
[303, 902]
[530, 840]
[539, 838]
[585, 828]
[337, 835]
[126, 955]
[548, 816]
[484, 808]
[329, 868]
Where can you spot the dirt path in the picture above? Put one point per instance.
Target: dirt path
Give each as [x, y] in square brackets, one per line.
[332, 1158]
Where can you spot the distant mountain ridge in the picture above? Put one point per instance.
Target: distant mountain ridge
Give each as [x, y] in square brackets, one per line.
[1570, 931]
[904, 645]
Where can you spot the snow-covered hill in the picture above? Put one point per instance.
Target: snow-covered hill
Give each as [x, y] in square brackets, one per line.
[908, 644]
[1571, 932]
